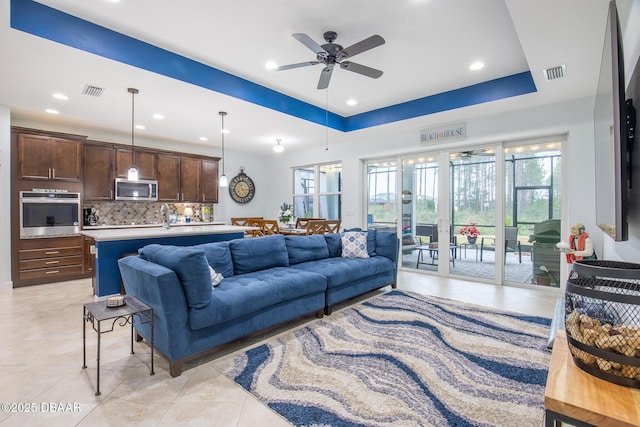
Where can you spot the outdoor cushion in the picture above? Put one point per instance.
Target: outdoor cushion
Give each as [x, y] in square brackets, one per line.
[306, 248]
[191, 267]
[258, 253]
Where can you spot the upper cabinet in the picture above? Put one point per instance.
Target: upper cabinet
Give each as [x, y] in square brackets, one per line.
[168, 177]
[145, 161]
[99, 162]
[48, 158]
[209, 181]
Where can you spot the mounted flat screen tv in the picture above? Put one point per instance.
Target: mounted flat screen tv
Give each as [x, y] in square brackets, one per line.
[610, 136]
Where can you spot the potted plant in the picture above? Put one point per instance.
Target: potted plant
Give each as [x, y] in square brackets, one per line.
[471, 231]
[285, 215]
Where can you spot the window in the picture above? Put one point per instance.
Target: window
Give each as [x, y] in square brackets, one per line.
[381, 184]
[317, 191]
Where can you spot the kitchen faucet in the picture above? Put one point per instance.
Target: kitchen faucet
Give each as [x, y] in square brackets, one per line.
[166, 214]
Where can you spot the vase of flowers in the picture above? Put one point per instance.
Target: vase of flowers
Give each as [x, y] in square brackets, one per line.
[471, 231]
[285, 215]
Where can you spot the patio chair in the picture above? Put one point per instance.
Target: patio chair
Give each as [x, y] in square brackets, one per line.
[511, 243]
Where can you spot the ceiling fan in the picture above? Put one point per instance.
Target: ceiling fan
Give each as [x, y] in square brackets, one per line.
[471, 153]
[331, 54]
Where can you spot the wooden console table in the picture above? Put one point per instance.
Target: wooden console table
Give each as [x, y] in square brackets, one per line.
[578, 398]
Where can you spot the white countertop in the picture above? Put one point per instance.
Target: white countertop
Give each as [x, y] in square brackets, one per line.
[101, 234]
[157, 225]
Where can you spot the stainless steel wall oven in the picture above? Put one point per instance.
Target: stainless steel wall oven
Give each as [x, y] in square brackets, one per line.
[49, 213]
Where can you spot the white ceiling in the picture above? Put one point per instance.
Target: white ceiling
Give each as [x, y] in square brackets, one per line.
[429, 47]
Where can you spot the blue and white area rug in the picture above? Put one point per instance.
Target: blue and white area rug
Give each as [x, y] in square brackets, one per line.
[402, 359]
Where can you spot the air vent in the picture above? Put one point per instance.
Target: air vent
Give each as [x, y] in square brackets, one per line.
[92, 90]
[554, 73]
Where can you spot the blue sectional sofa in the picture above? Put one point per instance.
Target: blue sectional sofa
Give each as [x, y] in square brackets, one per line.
[267, 281]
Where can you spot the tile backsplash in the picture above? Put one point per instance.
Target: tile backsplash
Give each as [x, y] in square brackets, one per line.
[126, 213]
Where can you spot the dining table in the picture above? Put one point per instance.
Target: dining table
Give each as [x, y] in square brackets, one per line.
[293, 231]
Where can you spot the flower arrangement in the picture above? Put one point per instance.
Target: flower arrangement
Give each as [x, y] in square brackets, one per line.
[469, 230]
[286, 213]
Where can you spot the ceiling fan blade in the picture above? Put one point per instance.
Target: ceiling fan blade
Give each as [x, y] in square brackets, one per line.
[298, 65]
[361, 69]
[325, 77]
[308, 42]
[361, 46]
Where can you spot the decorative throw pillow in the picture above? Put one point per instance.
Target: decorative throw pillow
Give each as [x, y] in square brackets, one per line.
[354, 244]
[371, 239]
[216, 278]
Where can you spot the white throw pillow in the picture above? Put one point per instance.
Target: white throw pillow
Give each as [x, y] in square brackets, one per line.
[354, 244]
[216, 278]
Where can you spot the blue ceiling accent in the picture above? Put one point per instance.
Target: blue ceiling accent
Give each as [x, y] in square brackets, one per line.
[52, 24]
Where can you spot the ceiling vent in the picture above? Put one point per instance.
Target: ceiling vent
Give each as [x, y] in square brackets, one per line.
[92, 90]
[554, 73]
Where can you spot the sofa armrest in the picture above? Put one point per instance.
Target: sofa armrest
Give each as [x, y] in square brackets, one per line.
[159, 287]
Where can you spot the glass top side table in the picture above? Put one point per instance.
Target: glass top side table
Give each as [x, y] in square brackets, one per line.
[98, 312]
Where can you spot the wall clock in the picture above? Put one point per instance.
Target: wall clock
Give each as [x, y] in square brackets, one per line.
[241, 188]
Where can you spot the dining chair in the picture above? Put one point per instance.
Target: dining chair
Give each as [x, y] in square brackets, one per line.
[332, 226]
[302, 222]
[316, 227]
[269, 226]
[243, 221]
[255, 222]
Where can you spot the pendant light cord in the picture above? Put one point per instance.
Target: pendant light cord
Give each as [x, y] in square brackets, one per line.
[326, 120]
[222, 114]
[133, 92]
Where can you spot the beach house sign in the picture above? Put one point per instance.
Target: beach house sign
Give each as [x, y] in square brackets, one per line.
[445, 133]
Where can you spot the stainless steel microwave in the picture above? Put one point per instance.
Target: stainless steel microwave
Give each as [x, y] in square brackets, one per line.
[49, 213]
[141, 190]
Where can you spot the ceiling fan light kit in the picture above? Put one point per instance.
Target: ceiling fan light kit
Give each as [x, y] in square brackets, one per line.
[332, 53]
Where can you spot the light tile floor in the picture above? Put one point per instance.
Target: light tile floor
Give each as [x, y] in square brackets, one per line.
[41, 359]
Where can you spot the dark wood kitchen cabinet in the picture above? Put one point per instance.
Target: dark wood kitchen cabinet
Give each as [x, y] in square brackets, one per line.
[145, 161]
[187, 179]
[48, 260]
[168, 177]
[47, 157]
[190, 169]
[99, 162]
[209, 181]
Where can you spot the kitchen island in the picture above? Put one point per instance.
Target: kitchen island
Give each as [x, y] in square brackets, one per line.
[113, 243]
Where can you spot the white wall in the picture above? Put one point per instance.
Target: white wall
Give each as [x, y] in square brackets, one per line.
[5, 192]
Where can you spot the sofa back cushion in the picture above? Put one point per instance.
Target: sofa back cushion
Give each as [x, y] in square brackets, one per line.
[218, 256]
[258, 253]
[191, 267]
[334, 244]
[306, 248]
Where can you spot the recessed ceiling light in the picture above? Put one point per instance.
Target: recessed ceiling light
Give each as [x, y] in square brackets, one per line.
[476, 66]
[352, 102]
[141, 127]
[203, 138]
[60, 96]
[158, 116]
[52, 111]
[271, 65]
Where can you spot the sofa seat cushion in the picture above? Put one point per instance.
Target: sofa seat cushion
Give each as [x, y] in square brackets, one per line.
[306, 248]
[339, 271]
[257, 254]
[248, 293]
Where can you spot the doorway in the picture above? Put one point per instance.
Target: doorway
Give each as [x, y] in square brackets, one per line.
[474, 213]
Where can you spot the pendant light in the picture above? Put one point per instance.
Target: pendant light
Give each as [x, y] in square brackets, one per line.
[223, 177]
[132, 175]
[278, 148]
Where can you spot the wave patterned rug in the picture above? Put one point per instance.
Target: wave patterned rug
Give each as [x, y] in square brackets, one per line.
[402, 359]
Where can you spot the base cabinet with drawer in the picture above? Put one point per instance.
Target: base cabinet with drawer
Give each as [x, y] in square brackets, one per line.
[49, 260]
